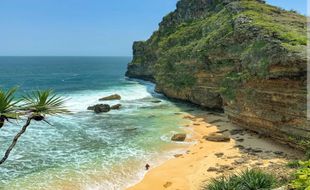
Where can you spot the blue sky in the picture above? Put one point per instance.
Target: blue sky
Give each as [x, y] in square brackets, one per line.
[85, 27]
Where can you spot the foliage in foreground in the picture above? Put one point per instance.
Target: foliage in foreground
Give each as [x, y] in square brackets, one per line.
[7, 106]
[37, 106]
[302, 177]
[247, 180]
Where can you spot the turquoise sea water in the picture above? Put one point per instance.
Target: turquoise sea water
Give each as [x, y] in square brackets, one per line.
[84, 150]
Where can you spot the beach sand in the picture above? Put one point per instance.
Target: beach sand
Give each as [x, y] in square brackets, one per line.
[205, 160]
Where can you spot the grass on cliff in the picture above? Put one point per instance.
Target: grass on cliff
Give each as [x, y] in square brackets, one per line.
[245, 35]
[247, 180]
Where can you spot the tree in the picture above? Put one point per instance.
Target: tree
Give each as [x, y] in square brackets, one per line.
[38, 105]
[7, 106]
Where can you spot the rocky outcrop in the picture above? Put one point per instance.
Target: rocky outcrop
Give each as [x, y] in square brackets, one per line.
[100, 108]
[111, 97]
[241, 56]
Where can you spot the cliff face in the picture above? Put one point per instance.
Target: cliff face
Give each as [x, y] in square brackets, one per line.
[243, 56]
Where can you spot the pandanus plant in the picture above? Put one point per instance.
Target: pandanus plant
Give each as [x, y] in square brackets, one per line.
[8, 106]
[38, 105]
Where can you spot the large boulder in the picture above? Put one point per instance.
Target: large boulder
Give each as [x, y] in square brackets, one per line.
[178, 137]
[217, 137]
[99, 108]
[111, 97]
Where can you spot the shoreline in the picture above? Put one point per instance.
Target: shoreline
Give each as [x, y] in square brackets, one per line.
[205, 160]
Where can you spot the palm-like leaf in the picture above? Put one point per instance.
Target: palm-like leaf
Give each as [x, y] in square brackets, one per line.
[44, 103]
[7, 103]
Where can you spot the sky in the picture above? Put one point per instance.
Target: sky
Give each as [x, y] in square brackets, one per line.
[85, 27]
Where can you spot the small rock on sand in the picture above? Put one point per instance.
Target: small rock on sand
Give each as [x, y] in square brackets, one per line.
[178, 155]
[216, 137]
[212, 169]
[240, 161]
[167, 184]
[178, 137]
[219, 154]
[189, 117]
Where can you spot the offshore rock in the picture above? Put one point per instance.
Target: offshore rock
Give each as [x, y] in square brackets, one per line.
[116, 107]
[99, 108]
[111, 97]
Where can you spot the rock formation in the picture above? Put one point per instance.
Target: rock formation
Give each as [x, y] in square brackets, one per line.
[178, 137]
[241, 56]
[100, 108]
[111, 97]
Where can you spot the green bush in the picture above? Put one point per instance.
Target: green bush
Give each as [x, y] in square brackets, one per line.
[293, 164]
[302, 177]
[247, 180]
[223, 183]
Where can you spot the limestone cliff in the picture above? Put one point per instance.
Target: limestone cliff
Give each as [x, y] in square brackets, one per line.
[242, 56]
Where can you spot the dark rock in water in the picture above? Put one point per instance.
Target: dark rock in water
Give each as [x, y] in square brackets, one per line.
[91, 108]
[178, 137]
[99, 108]
[217, 137]
[116, 107]
[102, 108]
[178, 113]
[112, 97]
[156, 101]
[131, 129]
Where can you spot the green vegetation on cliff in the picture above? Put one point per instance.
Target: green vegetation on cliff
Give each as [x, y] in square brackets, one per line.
[247, 35]
[243, 56]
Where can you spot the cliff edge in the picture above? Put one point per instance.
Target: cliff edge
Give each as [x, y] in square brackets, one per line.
[242, 56]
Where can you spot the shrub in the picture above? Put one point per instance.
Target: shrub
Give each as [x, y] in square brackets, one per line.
[255, 179]
[247, 180]
[302, 177]
[293, 164]
[223, 183]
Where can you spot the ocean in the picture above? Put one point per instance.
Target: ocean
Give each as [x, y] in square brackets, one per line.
[84, 150]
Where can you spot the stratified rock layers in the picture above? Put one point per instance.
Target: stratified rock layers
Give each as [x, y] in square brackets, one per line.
[242, 56]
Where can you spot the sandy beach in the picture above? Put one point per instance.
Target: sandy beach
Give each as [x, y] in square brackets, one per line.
[205, 160]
